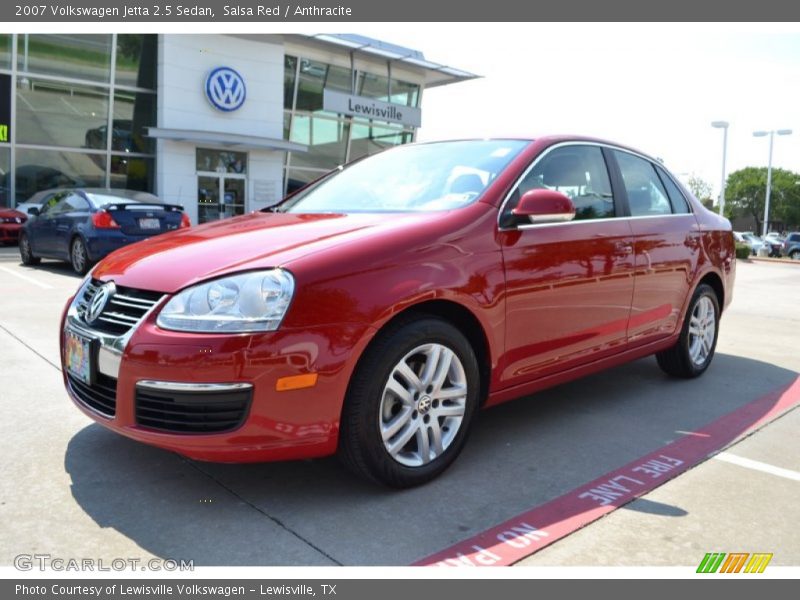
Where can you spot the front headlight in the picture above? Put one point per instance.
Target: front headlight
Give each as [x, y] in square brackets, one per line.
[249, 302]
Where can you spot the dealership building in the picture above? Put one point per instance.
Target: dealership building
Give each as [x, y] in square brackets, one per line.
[221, 124]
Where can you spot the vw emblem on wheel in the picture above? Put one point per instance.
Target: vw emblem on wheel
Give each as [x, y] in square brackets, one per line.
[424, 405]
[99, 301]
[225, 89]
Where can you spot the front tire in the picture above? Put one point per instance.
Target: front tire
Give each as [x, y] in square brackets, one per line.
[694, 351]
[26, 252]
[79, 256]
[410, 404]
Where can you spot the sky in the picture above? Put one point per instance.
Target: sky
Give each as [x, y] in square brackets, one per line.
[656, 87]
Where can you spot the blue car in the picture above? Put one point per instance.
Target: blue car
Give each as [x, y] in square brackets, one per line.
[84, 225]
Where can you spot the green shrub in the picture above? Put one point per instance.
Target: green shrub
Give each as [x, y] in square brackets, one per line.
[743, 251]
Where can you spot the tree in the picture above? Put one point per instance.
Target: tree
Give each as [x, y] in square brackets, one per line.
[701, 190]
[746, 190]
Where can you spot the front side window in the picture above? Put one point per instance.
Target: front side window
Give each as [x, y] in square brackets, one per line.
[69, 203]
[416, 178]
[577, 171]
[646, 193]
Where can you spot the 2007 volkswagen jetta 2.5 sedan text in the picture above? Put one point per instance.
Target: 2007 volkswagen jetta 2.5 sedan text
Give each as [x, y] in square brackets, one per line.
[372, 313]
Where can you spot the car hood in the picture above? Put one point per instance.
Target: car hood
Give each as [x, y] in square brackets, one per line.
[170, 262]
[14, 214]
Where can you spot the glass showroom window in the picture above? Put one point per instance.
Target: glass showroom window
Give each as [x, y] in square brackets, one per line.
[377, 86]
[314, 77]
[55, 113]
[326, 140]
[5, 179]
[369, 138]
[132, 173]
[133, 113]
[136, 61]
[289, 75]
[44, 169]
[297, 178]
[5, 51]
[221, 161]
[67, 56]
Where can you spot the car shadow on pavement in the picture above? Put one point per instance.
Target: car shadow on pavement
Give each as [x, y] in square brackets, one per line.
[520, 455]
[53, 266]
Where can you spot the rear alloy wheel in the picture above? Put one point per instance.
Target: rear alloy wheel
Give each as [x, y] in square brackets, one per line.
[79, 257]
[410, 405]
[26, 252]
[693, 352]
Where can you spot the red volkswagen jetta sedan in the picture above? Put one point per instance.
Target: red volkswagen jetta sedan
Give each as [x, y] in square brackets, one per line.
[373, 312]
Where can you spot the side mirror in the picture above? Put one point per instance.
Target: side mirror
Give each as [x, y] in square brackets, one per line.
[545, 206]
[33, 211]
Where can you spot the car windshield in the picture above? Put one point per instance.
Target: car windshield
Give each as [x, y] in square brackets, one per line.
[415, 178]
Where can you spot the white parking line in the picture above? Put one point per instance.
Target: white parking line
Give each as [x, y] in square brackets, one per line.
[757, 466]
[25, 100]
[77, 112]
[44, 286]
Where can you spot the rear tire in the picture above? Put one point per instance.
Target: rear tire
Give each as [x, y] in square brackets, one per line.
[26, 252]
[694, 350]
[410, 403]
[79, 256]
[794, 254]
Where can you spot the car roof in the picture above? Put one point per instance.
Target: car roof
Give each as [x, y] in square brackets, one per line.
[548, 140]
[131, 195]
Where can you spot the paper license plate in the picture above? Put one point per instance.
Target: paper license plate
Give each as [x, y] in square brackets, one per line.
[79, 356]
[149, 224]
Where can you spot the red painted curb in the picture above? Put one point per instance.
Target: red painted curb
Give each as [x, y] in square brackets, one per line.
[539, 527]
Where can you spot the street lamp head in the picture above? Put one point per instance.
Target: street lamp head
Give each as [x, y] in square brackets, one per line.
[760, 133]
[784, 132]
[720, 124]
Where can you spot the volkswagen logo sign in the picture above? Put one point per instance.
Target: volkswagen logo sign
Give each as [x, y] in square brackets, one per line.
[225, 89]
[99, 301]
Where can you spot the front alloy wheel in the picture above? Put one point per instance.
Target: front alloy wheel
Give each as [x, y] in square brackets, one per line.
[410, 403]
[423, 405]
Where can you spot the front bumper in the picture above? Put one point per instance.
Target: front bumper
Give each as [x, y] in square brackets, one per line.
[9, 232]
[149, 368]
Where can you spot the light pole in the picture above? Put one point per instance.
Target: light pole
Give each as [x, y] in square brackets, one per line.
[724, 126]
[771, 135]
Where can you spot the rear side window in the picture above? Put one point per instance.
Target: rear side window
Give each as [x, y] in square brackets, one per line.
[646, 193]
[676, 197]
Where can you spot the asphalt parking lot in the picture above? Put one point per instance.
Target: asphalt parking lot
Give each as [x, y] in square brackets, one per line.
[75, 490]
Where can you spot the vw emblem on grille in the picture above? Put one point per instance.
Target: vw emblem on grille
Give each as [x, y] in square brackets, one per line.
[99, 301]
[225, 89]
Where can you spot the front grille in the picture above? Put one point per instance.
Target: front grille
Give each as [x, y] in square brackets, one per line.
[191, 412]
[100, 396]
[122, 311]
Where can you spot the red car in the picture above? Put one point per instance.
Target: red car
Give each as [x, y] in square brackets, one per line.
[11, 222]
[373, 312]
